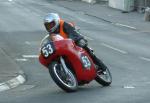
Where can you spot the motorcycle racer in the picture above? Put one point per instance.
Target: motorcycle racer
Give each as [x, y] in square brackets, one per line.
[55, 25]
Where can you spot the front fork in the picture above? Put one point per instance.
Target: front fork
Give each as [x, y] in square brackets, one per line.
[64, 65]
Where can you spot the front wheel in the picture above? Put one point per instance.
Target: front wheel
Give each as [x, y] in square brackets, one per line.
[66, 81]
[104, 78]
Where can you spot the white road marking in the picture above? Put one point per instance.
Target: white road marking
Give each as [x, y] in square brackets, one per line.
[129, 87]
[10, 0]
[23, 59]
[146, 59]
[125, 26]
[30, 56]
[28, 43]
[32, 42]
[113, 48]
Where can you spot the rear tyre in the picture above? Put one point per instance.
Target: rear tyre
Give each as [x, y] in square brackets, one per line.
[66, 81]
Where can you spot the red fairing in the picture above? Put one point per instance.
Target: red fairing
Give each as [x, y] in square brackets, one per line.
[74, 54]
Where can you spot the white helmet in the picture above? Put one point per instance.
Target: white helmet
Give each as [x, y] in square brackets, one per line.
[51, 22]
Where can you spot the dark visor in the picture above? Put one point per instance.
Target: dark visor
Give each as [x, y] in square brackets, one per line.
[49, 26]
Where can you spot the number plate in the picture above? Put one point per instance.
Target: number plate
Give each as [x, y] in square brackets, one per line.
[86, 62]
[48, 49]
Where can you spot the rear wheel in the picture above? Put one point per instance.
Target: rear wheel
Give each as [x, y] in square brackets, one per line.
[65, 80]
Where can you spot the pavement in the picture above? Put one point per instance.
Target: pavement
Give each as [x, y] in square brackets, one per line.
[10, 74]
[131, 20]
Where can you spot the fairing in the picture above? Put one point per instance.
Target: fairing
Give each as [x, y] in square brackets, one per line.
[78, 58]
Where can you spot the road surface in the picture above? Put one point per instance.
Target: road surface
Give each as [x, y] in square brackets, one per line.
[125, 51]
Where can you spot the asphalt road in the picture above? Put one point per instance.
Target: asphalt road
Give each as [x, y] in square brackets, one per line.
[126, 52]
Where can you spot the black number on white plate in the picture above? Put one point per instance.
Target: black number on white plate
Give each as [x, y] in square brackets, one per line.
[47, 50]
[86, 62]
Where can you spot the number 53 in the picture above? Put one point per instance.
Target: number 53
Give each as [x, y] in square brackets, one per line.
[47, 50]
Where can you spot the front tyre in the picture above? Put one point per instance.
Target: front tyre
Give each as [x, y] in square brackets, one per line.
[66, 81]
[105, 78]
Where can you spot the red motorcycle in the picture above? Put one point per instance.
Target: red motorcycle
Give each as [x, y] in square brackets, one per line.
[69, 65]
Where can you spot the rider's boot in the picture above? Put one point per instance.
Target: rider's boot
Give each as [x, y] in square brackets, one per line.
[96, 60]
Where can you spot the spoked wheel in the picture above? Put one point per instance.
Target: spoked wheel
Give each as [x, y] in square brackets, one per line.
[65, 80]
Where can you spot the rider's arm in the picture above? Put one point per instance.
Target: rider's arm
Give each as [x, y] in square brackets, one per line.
[72, 32]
